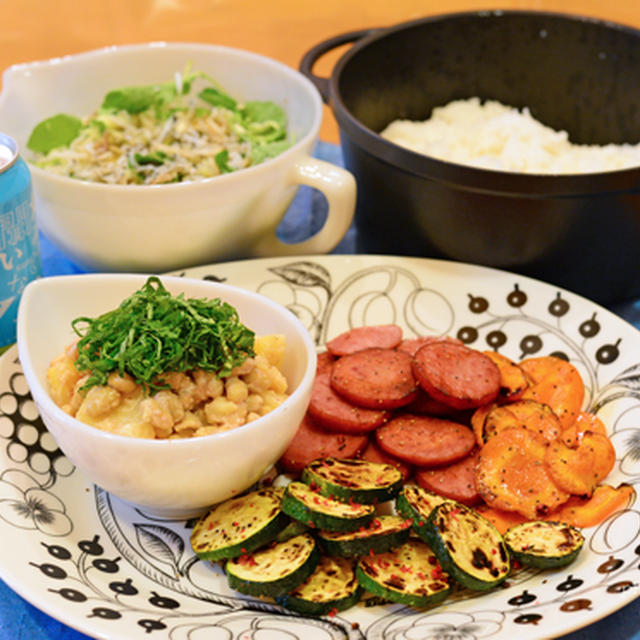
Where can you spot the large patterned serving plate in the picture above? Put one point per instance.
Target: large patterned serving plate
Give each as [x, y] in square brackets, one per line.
[112, 571]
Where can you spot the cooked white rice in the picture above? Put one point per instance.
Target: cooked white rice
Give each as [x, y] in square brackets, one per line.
[491, 135]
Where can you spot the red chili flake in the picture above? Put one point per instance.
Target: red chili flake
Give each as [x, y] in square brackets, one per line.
[247, 559]
[235, 523]
[376, 524]
[436, 572]
[421, 523]
[408, 522]
[243, 550]
[211, 526]
[333, 612]
[405, 568]
[371, 552]
[494, 551]
[421, 575]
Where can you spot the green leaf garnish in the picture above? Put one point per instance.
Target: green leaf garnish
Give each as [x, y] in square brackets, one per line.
[259, 111]
[222, 161]
[58, 131]
[152, 333]
[218, 98]
[261, 152]
[155, 158]
[139, 99]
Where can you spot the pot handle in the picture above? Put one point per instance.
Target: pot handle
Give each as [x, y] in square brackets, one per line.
[339, 187]
[314, 54]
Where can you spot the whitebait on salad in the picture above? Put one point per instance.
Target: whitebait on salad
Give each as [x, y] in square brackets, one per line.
[188, 129]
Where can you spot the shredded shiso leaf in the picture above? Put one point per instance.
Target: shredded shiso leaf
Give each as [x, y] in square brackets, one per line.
[153, 333]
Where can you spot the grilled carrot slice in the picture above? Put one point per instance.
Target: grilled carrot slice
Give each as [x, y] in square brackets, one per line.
[511, 474]
[557, 383]
[584, 422]
[501, 520]
[578, 470]
[513, 380]
[528, 414]
[477, 422]
[590, 512]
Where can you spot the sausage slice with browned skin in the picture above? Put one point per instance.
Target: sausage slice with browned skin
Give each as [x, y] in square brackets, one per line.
[425, 441]
[456, 375]
[375, 378]
[456, 481]
[384, 336]
[312, 442]
[333, 412]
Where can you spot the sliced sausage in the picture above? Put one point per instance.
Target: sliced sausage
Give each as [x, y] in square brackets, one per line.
[456, 375]
[411, 345]
[373, 453]
[311, 442]
[426, 405]
[385, 336]
[375, 378]
[325, 362]
[425, 441]
[331, 411]
[456, 481]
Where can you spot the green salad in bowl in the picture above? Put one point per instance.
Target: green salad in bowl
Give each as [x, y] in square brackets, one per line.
[186, 129]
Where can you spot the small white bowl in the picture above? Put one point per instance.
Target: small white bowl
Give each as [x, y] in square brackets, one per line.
[159, 228]
[174, 478]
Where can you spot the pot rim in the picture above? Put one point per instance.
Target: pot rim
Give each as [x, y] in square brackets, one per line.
[475, 179]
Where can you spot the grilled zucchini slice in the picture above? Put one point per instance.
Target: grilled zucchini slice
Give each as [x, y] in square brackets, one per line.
[408, 575]
[275, 570]
[302, 503]
[361, 481]
[239, 525]
[330, 588]
[416, 504]
[294, 528]
[382, 534]
[468, 546]
[545, 545]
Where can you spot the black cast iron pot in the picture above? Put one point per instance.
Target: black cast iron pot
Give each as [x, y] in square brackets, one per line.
[578, 231]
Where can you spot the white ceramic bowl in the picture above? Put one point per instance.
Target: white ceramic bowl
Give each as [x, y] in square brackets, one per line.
[164, 227]
[177, 478]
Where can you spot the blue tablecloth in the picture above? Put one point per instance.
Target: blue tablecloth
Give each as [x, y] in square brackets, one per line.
[19, 620]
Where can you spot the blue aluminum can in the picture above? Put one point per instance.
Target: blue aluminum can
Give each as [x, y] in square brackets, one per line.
[19, 245]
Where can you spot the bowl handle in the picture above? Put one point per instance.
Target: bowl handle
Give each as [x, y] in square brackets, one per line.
[339, 187]
[313, 55]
